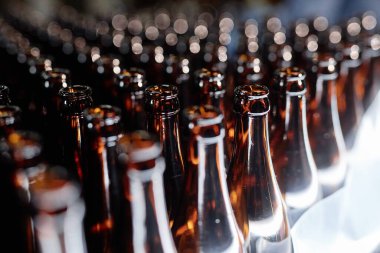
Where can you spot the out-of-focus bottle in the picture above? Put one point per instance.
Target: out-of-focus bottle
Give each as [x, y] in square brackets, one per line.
[325, 134]
[59, 212]
[147, 223]
[205, 221]
[4, 95]
[10, 119]
[130, 89]
[292, 156]
[102, 185]
[349, 92]
[74, 100]
[162, 107]
[52, 81]
[255, 196]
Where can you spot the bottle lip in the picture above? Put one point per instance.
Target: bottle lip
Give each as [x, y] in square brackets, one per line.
[161, 92]
[203, 116]
[9, 114]
[75, 92]
[137, 147]
[103, 115]
[291, 73]
[251, 99]
[135, 79]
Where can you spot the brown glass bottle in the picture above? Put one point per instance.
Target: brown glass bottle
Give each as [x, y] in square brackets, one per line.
[20, 155]
[292, 157]
[74, 100]
[102, 185]
[205, 221]
[52, 81]
[348, 90]
[130, 95]
[325, 134]
[255, 196]
[59, 209]
[10, 118]
[162, 107]
[147, 224]
[4, 95]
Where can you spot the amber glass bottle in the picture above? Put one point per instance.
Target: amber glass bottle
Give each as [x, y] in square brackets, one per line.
[292, 157]
[255, 196]
[4, 95]
[130, 95]
[349, 91]
[102, 185]
[325, 134]
[52, 82]
[162, 107]
[205, 221]
[59, 212]
[10, 118]
[147, 223]
[74, 100]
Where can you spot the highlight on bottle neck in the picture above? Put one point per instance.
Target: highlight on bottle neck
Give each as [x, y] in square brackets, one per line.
[162, 99]
[295, 80]
[132, 80]
[205, 121]
[56, 78]
[211, 82]
[104, 119]
[9, 115]
[136, 151]
[251, 99]
[75, 99]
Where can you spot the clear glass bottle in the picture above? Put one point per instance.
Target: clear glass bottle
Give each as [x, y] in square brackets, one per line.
[291, 155]
[255, 196]
[162, 107]
[325, 134]
[102, 185]
[205, 221]
[74, 100]
[147, 223]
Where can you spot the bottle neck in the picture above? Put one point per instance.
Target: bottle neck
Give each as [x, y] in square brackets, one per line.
[325, 90]
[150, 223]
[295, 117]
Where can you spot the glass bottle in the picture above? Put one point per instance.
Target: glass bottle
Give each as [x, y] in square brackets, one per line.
[348, 90]
[4, 95]
[52, 82]
[10, 118]
[147, 223]
[162, 107]
[59, 212]
[291, 155]
[255, 196]
[74, 100]
[212, 92]
[205, 221]
[130, 94]
[325, 134]
[102, 185]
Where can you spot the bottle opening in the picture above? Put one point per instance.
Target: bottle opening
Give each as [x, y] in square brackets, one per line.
[75, 92]
[163, 91]
[133, 79]
[251, 99]
[103, 115]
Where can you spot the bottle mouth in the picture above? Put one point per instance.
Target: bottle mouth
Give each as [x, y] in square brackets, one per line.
[138, 147]
[75, 92]
[9, 115]
[251, 99]
[103, 115]
[161, 91]
[133, 79]
[294, 78]
[162, 99]
[56, 76]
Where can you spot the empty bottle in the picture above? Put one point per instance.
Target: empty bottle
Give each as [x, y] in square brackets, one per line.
[162, 107]
[325, 134]
[205, 221]
[130, 89]
[102, 185]
[292, 157]
[255, 196]
[147, 223]
[74, 100]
